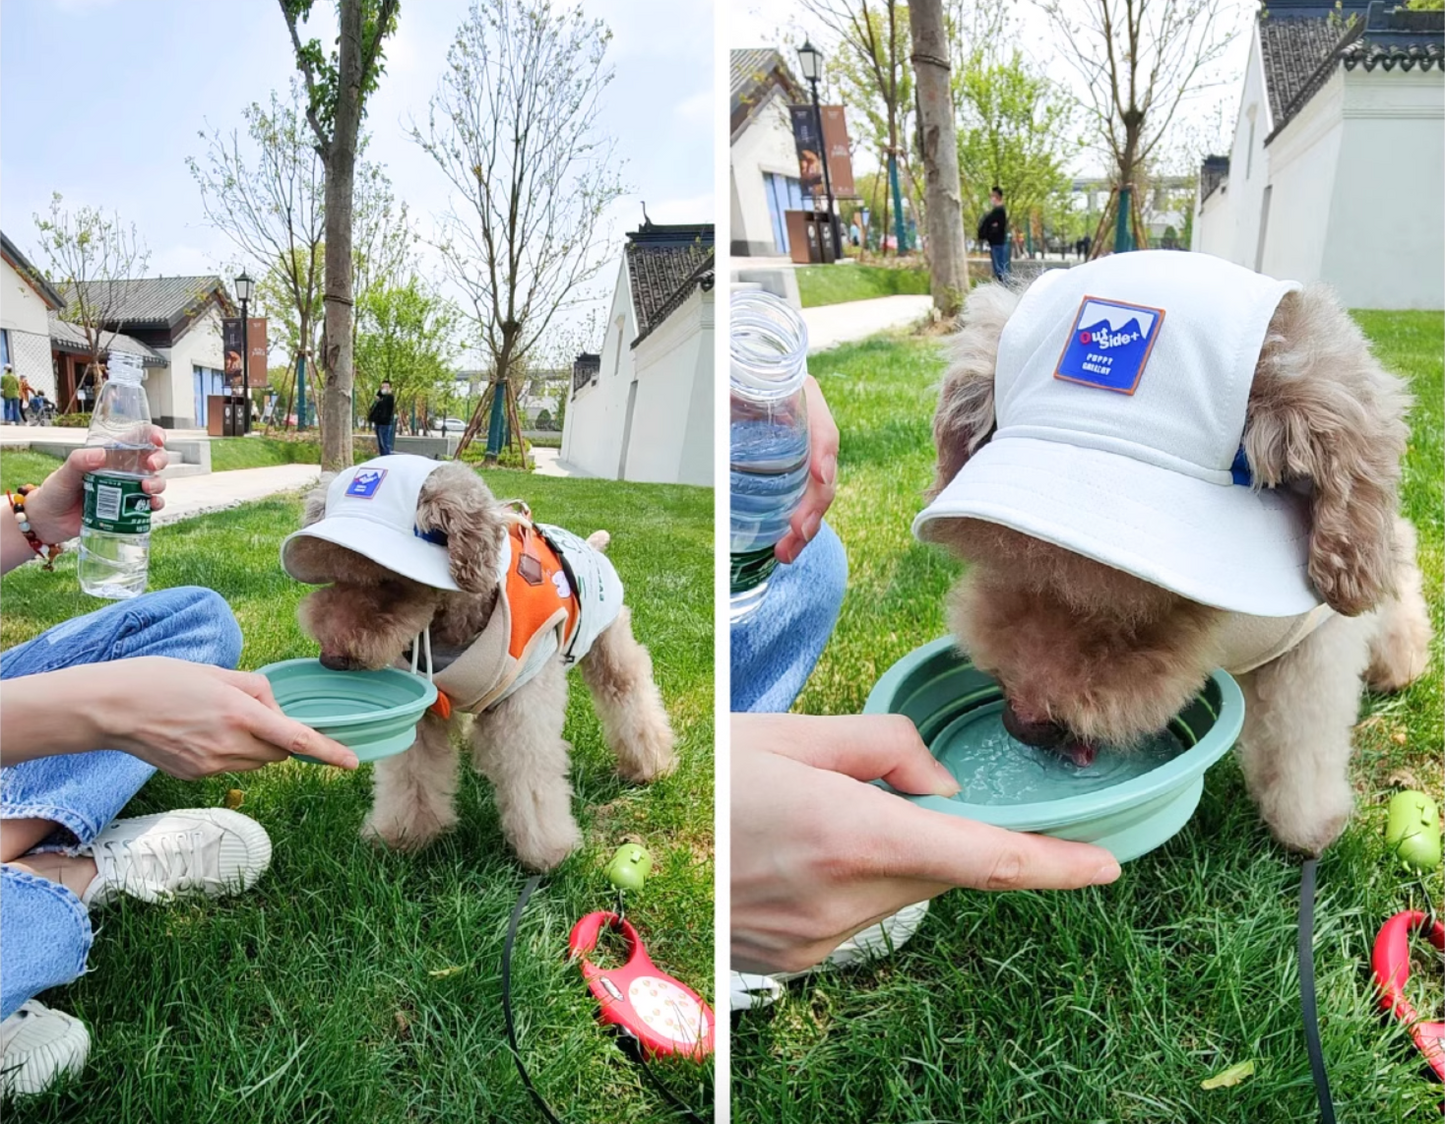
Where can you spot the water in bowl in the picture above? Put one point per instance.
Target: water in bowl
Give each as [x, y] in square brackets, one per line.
[993, 768]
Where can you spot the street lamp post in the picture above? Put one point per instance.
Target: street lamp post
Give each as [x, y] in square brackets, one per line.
[243, 292]
[810, 61]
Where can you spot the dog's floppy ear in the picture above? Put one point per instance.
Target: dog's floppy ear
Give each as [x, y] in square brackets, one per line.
[1322, 410]
[965, 418]
[454, 503]
[313, 507]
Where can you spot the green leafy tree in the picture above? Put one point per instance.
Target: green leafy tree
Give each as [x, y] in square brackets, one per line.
[408, 336]
[337, 86]
[1014, 132]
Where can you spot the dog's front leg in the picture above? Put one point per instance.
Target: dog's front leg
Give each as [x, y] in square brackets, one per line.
[1299, 714]
[518, 746]
[415, 792]
[618, 672]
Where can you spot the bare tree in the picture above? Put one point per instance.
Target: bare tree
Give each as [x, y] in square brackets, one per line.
[337, 87]
[90, 257]
[1139, 59]
[514, 128]
[270, 202]
[947, 253]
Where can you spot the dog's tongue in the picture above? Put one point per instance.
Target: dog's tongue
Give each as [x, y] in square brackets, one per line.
[1082, 754]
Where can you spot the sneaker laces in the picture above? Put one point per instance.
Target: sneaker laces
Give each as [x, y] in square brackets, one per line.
[172, 862]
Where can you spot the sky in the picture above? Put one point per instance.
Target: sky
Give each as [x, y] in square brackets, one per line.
[785, 24]
[102, 101]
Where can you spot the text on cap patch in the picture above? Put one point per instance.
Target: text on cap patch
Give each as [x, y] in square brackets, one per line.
[1109, 344]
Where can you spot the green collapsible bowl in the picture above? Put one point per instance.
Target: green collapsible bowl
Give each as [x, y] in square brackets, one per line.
[372, 713]
[1128, 803]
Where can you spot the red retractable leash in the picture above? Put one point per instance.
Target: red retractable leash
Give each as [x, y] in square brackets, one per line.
[1391, 964]
[654, 1014]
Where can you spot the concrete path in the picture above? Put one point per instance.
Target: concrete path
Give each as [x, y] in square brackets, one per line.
[832, 324]
[197, 495]
[549, 462]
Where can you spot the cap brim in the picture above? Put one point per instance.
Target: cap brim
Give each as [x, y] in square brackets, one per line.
[409, 556]
[1222, 545]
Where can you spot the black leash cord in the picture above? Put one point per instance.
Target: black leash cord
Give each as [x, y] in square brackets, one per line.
[532, 884]
[630, 1044]
[1308, 1006]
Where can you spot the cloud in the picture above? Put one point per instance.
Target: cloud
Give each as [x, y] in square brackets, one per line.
[697, 208]
[698, 108]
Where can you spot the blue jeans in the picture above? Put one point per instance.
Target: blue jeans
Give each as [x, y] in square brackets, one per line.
[385, 435]
[12, 410]
[774, 650]
[999, 255]
[47, 931]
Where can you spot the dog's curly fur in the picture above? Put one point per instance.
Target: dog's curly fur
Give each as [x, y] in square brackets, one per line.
[1113, 658]
[365, 616]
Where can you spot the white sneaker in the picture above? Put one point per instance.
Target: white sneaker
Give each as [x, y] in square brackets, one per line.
[37, 1046]
[873, 943]
[210, 851]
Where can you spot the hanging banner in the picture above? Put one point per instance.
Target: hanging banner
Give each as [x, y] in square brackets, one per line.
[257, 373]
[840, 160]
[811, 148]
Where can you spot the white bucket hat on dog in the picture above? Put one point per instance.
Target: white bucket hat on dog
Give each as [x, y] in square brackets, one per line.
[1120, 395]
[371, 509]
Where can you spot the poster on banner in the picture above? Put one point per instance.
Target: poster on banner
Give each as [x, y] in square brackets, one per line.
[810, 149]
[257, 373]
[839, 155]
[813, 149]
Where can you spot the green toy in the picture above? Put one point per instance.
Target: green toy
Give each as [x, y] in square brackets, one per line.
[629, 867]
[1412, 830]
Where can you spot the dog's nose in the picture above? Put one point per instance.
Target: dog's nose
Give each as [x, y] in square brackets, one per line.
[1040, 733]
[334, 661]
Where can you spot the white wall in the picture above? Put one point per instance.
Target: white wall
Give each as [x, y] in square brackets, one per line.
[596, 414]
[172, 389]
[1387, 230]
[765, 145]
[25, 316]
[1249, 162]
[672, 426]
[1303, 161]
[1214, 224]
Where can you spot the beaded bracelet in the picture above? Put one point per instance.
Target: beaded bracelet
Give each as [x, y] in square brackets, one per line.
[48, 551]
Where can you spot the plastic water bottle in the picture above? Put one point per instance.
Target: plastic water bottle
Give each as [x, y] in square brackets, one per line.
[768, 346]
[115, 531]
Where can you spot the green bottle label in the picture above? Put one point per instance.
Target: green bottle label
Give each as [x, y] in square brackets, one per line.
[751, 568]
[116, 503]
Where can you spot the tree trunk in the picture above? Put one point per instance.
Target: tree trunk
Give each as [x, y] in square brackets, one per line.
[336, 358]
[948, 261]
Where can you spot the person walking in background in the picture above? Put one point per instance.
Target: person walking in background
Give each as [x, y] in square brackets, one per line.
[383, 417]
[10, 390]
[993, 229]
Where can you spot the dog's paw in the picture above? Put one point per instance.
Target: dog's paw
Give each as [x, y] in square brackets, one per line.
[542, 852]
[650, 755]
[1309, 827]
[406, 835]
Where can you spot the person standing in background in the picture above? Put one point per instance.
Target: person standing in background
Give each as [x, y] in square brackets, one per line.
[993, 229]
[10, 389]
[383, 417]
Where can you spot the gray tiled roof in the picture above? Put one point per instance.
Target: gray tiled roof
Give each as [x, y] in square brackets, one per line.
[1302, 42]
[157, 302]
[664, 263]
[65, 336]
[753, 73]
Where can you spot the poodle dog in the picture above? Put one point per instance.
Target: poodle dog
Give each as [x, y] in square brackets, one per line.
[367, 615]
[1086, 652]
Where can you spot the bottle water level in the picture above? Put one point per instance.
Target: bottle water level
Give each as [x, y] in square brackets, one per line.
[769, 476]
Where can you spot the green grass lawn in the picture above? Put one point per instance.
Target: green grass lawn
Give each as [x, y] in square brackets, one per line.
[1109, 1004]
[261, 452]
[834, 284]
[357, 985]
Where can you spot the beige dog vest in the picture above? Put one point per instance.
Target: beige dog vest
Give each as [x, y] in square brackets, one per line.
[1251, 642]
